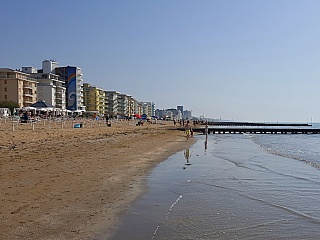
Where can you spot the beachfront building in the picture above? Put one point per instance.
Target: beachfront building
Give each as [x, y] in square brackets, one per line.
[148, 108]
[94, 98]
[174, 113]
[111, 103]
[50, 88]
[123, 105]
[72, 76]
[187, 114]
[161, 113]
[133, 106]
[171, 113]
[139, 108]
[18, 87]
[180, 108]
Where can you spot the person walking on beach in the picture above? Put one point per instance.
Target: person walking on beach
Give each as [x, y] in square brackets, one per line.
[188, 129]
[206, 129]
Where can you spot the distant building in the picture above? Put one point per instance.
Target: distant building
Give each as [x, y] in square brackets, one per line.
[18, 87]
[174, 113]
[94, 98]
[161, 113]
[133, 106]
[138, 108]
[187, 114]
[148, 108]
[180, 108]
[111, 102]
[123, 105]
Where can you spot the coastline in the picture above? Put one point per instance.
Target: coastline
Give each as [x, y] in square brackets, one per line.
[75, 183]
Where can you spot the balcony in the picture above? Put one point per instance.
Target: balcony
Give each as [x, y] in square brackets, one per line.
[27, 101]
[28, 94]
[28, 86]
[59, 97]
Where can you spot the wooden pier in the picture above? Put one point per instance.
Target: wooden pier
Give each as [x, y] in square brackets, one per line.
[251, 124]
[233, 130]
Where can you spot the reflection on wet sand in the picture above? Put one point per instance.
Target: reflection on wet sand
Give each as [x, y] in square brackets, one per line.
[187, 155]
[206, 144]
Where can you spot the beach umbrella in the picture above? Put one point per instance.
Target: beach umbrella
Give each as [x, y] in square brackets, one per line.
[155, 116]
[43, 109]
[28, 108]
[41, 104]
[137, 116]
[149, 118]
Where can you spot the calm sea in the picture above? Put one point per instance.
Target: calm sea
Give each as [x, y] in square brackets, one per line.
[232, 186]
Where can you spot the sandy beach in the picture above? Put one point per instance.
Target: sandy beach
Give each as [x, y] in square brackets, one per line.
[59, 182]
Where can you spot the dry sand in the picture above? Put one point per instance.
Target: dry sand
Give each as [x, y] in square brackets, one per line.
[66, 183]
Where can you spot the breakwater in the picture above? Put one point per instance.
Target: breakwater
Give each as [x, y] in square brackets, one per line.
[233, 130]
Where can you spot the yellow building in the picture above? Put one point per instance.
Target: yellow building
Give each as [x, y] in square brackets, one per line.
[18, 87]
[94, 98]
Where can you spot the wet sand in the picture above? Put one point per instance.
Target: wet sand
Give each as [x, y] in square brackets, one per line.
[226, 187]
[63, 183]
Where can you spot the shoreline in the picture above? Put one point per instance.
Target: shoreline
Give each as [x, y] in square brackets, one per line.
[75, 183]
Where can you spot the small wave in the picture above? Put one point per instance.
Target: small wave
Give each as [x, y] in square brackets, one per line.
[155, 232]
[272, 151]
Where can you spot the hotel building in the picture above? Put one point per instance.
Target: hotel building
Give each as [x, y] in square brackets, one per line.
[94, 98]
[72, 76]
[50, 88]
[148, 108]
[123, 105]
[18, 87]
[111, 102]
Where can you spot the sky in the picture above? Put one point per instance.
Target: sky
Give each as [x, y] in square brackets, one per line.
[241, 60]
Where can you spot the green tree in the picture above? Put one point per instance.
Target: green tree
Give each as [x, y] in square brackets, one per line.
[9, 104]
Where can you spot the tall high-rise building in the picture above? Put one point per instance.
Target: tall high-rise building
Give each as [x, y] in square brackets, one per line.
[73, 80]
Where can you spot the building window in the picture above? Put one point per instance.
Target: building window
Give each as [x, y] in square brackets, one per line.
[5, 81]
[5, 96]
[5, 89]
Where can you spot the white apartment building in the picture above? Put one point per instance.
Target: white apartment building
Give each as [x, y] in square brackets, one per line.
[148, 108]
[111, 103]
[123, 105]
[50, 87]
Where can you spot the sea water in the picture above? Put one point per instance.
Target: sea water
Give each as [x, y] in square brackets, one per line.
[232, 186]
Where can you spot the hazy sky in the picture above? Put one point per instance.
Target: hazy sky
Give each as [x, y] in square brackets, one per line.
[250, 60]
